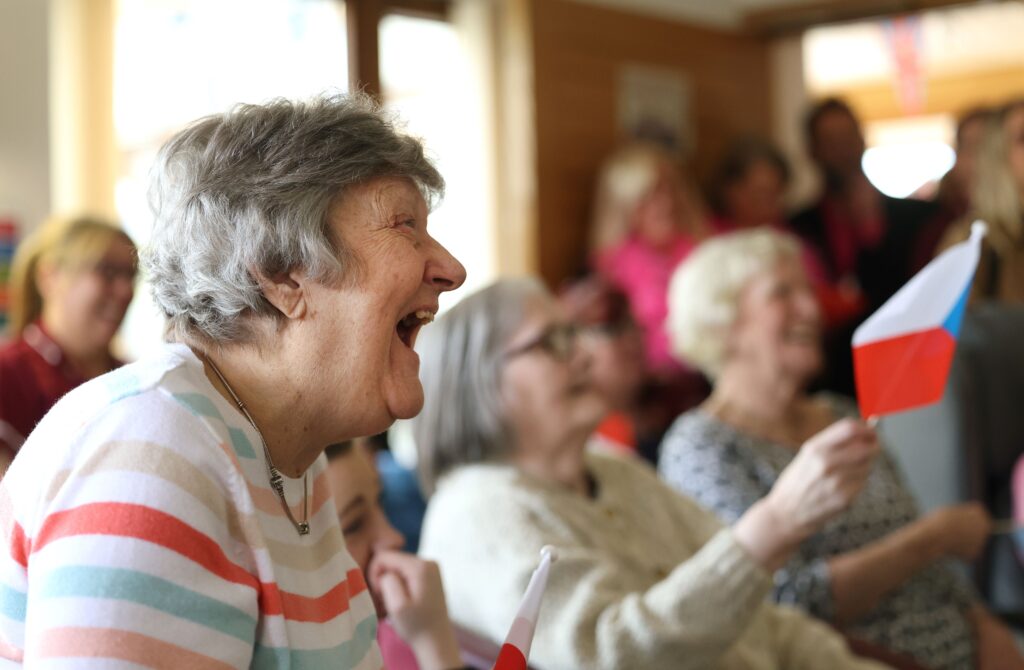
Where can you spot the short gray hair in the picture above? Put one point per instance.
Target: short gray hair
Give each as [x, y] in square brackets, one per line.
[704, 291]
[250, 191]
[461, 354]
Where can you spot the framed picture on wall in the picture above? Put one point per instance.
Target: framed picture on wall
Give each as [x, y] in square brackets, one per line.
[655, 104]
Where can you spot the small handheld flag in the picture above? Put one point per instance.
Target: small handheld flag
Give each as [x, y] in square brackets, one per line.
[903, 352]
[516, 650]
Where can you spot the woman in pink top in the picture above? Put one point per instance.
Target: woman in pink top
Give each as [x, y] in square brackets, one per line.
[647, 219]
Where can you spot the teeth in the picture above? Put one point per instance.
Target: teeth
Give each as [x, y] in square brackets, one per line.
[424, 316]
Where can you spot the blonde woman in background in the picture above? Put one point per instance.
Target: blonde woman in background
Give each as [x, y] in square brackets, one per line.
[998, 199]
[71, 283]
[647, 219]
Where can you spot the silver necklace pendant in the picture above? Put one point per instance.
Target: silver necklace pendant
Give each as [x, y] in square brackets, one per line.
[276, 480]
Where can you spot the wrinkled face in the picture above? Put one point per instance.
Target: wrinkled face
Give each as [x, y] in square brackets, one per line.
[617, 362]
[357, 493]
[365, 328]
[1014, 127]
[756, 199]
[546, 388]
[778, 325]
[91, 302]
[838, 143]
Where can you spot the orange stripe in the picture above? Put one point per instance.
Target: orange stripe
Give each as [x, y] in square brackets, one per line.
[126, 646]
[19, 545]
[294, 607]
[147, 524]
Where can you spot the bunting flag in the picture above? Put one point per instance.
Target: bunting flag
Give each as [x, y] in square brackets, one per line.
[515, 653]
[902, 353]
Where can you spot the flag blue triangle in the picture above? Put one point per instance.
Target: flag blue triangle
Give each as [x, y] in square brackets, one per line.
[956, 316]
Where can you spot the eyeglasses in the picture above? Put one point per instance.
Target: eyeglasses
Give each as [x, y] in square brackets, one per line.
[111, 272]
[558, 340]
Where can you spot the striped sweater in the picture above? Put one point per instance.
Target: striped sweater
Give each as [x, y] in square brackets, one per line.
[139, 529]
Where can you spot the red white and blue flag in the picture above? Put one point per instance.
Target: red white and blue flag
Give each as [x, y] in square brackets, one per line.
[515, 653]
[903, 352]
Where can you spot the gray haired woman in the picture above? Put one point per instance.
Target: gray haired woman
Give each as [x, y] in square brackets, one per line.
[174, 512]
[645, 578]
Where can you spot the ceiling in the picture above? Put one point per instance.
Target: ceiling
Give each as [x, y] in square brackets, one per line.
[717, 13]
[771, 16]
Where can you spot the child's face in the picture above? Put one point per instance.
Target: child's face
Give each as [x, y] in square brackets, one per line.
[357, 491]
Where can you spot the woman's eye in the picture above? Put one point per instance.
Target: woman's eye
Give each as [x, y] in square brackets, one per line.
[409, 223]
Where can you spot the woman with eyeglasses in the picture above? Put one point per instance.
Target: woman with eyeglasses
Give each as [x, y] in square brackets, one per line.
[71, 283]
[645, 577]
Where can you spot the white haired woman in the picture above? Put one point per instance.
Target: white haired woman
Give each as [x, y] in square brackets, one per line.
[645, 578]
[741, 308]
[175, 512]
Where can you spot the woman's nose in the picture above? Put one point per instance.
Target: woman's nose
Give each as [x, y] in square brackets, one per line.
[444, 271]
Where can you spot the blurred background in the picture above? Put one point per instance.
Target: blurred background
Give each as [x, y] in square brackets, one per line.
[518, 100]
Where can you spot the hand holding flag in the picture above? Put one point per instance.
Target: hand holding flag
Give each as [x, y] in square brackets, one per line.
[516, 650]
[903, 352]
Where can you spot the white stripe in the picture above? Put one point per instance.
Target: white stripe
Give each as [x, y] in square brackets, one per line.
[929, 297]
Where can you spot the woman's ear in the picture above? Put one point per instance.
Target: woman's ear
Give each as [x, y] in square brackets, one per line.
[288, 292]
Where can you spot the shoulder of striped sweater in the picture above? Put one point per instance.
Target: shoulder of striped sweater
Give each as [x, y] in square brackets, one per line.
[131, 420]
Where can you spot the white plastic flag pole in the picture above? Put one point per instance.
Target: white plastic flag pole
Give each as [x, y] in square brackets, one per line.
[515, 653]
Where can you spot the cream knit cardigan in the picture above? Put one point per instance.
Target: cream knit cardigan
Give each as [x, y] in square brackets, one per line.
[645, 578]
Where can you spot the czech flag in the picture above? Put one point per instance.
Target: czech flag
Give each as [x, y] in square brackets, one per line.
[902, 353]
[516, 650]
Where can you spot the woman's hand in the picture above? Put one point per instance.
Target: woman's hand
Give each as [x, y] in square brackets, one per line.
[960, 530]
[828, 472]
[413, 595]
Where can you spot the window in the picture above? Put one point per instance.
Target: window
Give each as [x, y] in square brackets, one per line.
[178, 60]
[426, 77]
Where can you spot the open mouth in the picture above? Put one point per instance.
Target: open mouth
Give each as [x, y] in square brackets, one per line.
[410, 325]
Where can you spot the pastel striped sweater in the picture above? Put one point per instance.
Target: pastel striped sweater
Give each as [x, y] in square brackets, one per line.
[139, 529]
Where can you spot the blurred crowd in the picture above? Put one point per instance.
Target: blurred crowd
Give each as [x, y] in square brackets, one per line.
[678, 421]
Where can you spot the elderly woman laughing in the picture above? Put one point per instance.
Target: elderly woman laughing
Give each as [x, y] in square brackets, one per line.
[174, 512]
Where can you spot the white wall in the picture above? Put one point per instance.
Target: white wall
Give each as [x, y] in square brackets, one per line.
[24, 112]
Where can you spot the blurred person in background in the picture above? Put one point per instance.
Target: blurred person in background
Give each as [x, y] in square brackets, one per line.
[71, 283]
[749, 186]
[607, 332]
[647, 218]
[742, 308]
[645, 578]
[953, 192]
[177, 510]
[865, 239]
[998, 199]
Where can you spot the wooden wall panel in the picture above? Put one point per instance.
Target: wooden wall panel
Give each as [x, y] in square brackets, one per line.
[577, 51]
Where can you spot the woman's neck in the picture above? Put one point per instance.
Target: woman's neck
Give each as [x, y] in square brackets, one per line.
[563, 464]
[283, 417]
[769, 406]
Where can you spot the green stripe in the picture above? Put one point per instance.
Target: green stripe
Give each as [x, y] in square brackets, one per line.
[150, 591]
[345, 656]
[13, 604]
[199, 404]
[242, 445]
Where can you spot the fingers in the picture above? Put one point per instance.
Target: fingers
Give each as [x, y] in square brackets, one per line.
[841, 434]
[393, 592]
